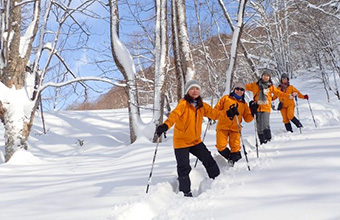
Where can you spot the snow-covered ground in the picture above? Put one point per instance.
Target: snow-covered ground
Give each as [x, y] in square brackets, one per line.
[85, 169]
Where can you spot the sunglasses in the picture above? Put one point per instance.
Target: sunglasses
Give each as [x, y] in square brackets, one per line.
[238, 88]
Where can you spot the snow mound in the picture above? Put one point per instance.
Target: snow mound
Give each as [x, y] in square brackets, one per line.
[24, 157]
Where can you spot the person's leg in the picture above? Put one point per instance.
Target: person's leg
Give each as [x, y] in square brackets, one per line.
[266, 126]
[289, 127]
[221, 143]
[183, 169]
[204, 155]
[234, 141]
[235, 147]
[286, 120]
[260, 128]
[293, 118]
[284, 115]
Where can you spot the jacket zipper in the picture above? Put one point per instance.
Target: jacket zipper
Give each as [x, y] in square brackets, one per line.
[196, 123]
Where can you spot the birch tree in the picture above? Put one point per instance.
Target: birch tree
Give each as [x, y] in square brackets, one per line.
[125, 63]
[184, 64]
[235, 42]
[273, 17]
[322, 39]
[161, 52]
[23, 70]
[126, 66]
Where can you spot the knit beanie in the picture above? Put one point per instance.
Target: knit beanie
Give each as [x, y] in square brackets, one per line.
[238, 85]
[284, 75]
[190, 84]
[267, 72]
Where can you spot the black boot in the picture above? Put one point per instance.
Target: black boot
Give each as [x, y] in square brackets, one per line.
[234, 157]
[225, 153]
[267, 134]
[189, 194]
[262, 139]
[297, 122]
[289, 127]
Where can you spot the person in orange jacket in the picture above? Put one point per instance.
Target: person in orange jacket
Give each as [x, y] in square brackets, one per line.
[286, 106]
[187, 118]
[228, 129]
[263, 90]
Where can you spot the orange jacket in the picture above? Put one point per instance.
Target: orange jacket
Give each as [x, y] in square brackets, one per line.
[254, 87]
[188, 123]
[224, 123]
[286, 101]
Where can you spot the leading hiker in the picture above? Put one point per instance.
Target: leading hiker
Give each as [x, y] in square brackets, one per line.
[187, 118]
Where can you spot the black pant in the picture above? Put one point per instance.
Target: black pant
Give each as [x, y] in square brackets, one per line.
[184, 168]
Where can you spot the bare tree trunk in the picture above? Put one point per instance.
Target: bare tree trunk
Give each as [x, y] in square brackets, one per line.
[235, 42]
[161, 52]
[15, 53]
[179, 71]
[243, 48]
[120, 55]
[183, 56]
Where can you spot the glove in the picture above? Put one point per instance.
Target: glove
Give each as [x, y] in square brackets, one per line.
[232, 111]
[253, 107]
[306, 96]
[161, 129]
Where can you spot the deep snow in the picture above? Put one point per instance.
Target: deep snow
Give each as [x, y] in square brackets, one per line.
[296, 177]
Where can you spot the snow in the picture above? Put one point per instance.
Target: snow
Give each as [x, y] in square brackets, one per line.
[295, 177]
[25, 40]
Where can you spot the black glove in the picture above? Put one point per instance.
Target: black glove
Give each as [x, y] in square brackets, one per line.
[161, 129]
[232, 111]
[253, 107]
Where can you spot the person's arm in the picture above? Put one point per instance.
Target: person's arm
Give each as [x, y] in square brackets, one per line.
[274, 95]
[175, 114]
[220, 104]
[249, 87]
[212, 113]
[299, 94]
[247, 116]
[281, 94]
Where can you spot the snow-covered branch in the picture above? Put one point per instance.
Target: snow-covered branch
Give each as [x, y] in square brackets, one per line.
[80, 79]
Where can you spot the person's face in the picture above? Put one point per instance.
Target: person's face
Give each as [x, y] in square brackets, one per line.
[265, 77]
[194, 92]
[284, 80]
[239, 91]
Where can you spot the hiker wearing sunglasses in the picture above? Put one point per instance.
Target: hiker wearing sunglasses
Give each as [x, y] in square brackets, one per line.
[263, 91]
[227, 129]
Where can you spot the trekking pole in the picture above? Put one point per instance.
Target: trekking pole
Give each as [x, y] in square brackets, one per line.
[244, 148]
[297, 109]
[256, 143]
[153, 162]
[206, 129]
[310, 108]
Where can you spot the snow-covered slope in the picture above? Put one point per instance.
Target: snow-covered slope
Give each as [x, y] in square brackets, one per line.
[84, 168]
